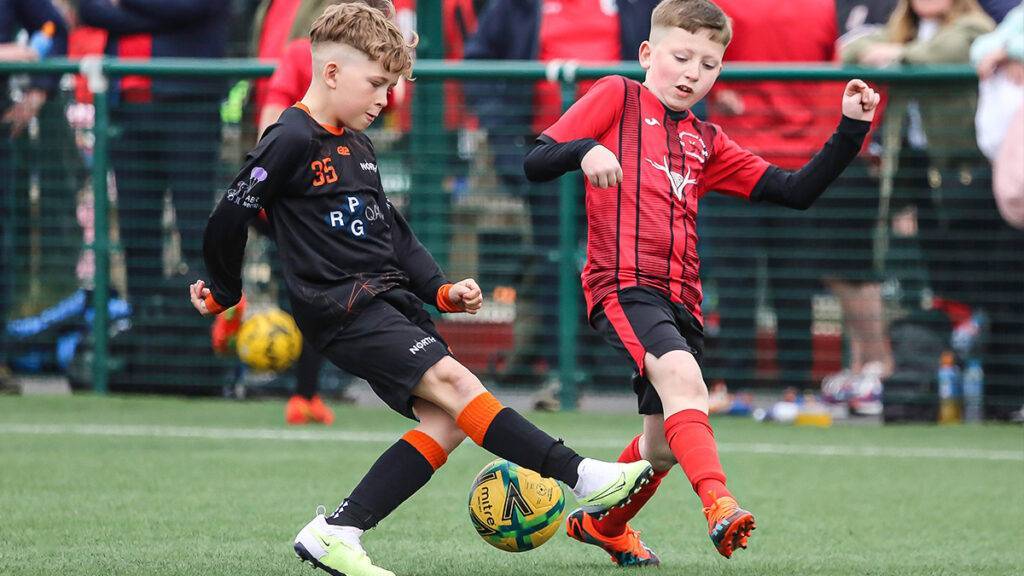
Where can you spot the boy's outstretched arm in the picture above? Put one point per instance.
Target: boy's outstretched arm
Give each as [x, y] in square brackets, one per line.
[426, 280]
[801, 188]
[268, 167]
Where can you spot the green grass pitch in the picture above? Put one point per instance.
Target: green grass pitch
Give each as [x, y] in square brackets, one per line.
[162, 486]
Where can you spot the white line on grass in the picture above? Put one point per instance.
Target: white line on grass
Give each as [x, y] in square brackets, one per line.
[386, 437]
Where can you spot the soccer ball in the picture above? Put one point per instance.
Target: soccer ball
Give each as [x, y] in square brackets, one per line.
[269, 341]
[513, 508]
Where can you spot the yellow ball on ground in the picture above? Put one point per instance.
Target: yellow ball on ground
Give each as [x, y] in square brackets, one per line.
[513, 508]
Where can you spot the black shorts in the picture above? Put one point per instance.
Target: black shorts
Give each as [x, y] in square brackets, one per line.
[840, 241]
[636, 321]
[390, 344]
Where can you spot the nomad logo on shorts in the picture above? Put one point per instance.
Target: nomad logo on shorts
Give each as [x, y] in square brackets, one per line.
[422, 344]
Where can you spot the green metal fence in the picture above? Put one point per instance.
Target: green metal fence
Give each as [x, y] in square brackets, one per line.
[456, 179]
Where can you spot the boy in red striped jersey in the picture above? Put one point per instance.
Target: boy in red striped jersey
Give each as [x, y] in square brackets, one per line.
[648, 161]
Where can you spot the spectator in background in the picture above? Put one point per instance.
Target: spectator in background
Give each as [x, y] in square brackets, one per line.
[971, 255]
[784, 122]
[169, 141]
[32, 16]
[513, 113]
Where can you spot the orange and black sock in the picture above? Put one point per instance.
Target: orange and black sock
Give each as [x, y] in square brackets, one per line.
[615, 522]
[400, 471]
[505, 433]
[693, 444]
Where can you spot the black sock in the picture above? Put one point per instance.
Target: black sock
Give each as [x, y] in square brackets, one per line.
[399, 472]
[516, 439]
[307, 371]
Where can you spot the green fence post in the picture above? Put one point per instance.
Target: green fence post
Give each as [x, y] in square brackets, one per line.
[92, 69]
[568, 279]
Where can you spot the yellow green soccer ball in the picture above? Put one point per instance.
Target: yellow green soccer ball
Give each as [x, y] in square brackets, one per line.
[513, 508]
[269, 341]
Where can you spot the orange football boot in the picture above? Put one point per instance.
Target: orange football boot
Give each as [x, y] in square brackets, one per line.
[319, 411]
[626, 549]
[729, 526]
[298, 411]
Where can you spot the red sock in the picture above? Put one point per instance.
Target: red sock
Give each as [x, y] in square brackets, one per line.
[615, 522]
[693, 443]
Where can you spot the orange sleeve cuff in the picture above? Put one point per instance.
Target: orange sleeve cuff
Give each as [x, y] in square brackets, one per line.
[428, 447]
[212, 304]
[477, 416]
[444, 302]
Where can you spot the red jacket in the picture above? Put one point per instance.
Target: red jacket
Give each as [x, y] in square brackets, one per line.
[783, 122]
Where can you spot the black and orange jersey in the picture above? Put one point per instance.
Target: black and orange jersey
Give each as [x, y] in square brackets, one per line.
[340, 241]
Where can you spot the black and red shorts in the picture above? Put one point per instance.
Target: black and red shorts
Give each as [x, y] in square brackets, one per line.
[639, 320]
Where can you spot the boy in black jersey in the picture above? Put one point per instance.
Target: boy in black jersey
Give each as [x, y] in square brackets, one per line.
[358, 277]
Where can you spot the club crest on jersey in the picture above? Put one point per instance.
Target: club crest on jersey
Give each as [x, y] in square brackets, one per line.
[242, 193]
[693, 146]
[677, 182]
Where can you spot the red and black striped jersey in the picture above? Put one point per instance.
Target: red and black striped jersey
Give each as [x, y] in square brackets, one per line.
[644, 231]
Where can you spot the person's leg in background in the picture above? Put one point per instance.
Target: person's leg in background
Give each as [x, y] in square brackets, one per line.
[864, 316]
[845, 219]
[305, 405]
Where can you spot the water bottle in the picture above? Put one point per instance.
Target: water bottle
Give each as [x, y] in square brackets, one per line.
[948, 376]
[974, 391]
[42, 40]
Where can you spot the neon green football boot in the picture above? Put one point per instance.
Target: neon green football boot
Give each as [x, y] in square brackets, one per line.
[320, 544]
[606, 485]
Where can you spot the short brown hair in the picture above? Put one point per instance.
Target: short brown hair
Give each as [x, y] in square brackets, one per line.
[385, 6]
[368, 30]
[693, 15]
